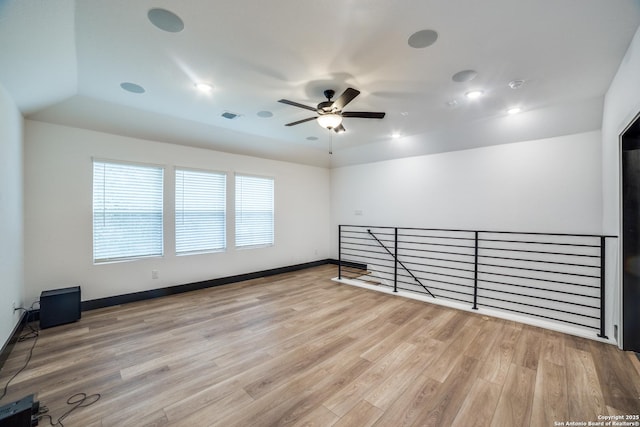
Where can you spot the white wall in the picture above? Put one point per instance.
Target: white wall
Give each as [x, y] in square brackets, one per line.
[622, 104]
[548, 185]
[11, 214]
[58, 214]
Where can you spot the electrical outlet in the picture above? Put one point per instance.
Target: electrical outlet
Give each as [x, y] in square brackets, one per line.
[154, 274]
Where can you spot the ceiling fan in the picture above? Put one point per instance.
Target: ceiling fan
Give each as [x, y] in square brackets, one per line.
[330, 113]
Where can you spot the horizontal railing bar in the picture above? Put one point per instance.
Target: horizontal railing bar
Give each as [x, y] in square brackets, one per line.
[435, 237]
[539, 252]
[485, 272]
[541, 316]
[362, 252]
[538, 297]
[405, 254]
[433, 252]
[537, 306]
[470, 255]
[372, 264]
[389, 276]
[544, 262]
[356, 239]
[484, 231]
[361, 232]
[378, 259]
[360, 245]
[440, 289]
[540, 243]
[544, 289]
[444, 267]
[502, 308]
[441, 259]
[421, 254]
[441, 281]
[435, 244]
[536, 270]
[444, 274]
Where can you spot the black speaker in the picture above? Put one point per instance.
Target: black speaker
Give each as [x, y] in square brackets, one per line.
[19, 413]
[59, 306]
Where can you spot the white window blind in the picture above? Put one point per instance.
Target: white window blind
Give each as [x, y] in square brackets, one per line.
[200, 211]
[127, 211]
[254, 211]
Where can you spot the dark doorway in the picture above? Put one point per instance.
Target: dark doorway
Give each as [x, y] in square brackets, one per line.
[631, 237]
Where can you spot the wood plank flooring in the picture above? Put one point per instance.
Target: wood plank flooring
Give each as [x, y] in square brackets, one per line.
[298, 349]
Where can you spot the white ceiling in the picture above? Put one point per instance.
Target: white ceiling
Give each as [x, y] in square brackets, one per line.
[63, 62]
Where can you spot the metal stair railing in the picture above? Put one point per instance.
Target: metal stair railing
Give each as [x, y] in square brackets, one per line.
[556, 277]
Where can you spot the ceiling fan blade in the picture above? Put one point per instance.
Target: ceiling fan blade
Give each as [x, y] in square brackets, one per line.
[346, 97]
[339, 129]
[363, 114]
[295, 104]
[301, 121]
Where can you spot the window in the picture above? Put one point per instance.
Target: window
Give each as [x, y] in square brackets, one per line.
[200, 211]
[254, 211]
[127, 211]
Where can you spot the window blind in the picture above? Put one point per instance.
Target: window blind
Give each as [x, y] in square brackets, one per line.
[200, 211]
[127, 211]
[254, 211]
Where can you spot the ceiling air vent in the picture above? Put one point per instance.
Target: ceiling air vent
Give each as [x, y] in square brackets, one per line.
[229, 115]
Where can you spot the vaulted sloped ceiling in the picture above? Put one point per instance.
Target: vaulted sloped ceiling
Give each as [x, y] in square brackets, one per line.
[64, 62]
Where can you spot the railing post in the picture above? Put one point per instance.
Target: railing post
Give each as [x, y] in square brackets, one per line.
[475, 274]
[603, 247]
[339, 251]
[395, 263]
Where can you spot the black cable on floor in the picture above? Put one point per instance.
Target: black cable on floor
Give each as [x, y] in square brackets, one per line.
[33, 334]
[78, 400]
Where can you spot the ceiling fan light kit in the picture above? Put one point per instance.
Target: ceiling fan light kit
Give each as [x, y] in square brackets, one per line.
[330, 113]
[330, 121]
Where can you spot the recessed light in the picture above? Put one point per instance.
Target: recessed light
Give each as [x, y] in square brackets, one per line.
[451, 104]
[204, 87]
[312, 138]
[132, 87]
[165, 20]
[516, 84]
[464, 76]
[422, 38]
[404, 113]
[264, 114]
[474, 94]
[395, 135]
[514, 110]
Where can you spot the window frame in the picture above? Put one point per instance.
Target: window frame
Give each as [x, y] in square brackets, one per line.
[125, 258]
[273, 212]
[224, 210]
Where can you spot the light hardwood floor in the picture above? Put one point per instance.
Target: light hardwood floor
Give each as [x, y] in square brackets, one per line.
[299, 349]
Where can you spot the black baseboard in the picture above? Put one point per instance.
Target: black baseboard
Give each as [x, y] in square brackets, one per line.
[8, 346]
[351, 264]
[172, 290]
